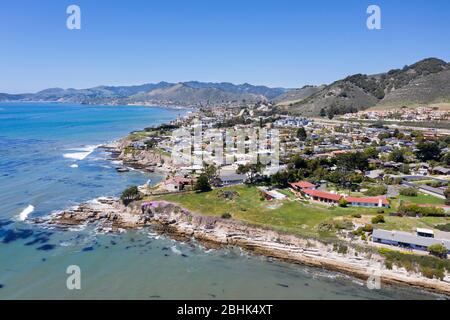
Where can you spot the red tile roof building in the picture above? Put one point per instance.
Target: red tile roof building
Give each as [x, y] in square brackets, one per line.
[368, 201]
[307, 189]
[302, 185]
[322, 196]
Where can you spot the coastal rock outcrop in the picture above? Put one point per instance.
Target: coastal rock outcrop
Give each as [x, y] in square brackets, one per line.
[181, 224]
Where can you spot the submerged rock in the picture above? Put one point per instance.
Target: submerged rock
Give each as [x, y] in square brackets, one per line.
[46, 247]
[14, 235]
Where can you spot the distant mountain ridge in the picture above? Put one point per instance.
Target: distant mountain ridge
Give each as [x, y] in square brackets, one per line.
[191, 93]
[425, 82]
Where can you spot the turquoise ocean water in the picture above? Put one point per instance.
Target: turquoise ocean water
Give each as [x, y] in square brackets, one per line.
[48, 162]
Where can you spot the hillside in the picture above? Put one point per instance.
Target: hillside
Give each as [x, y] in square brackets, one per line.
[296, 95]
[426, 81]
[184, 94]
[163, 93]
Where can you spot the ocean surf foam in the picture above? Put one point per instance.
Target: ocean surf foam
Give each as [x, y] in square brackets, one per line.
[80, 154]
[26, 212]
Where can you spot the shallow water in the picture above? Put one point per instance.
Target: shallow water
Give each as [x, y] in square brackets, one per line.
[47, 161]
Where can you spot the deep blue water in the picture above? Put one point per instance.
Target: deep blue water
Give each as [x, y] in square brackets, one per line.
[44, 160]
[40, 144]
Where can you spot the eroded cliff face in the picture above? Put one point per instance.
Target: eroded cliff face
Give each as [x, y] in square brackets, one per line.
[168, 218]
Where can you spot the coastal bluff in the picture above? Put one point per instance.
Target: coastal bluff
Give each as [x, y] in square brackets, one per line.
[110, 215]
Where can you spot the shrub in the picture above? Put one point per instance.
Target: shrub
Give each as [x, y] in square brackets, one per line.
[444, 227]
[378, 219]
[376, 191]
[429, 266]
[340, 248]
[325, 227]
[368, 228]
[414, 210]
[447, 196]
[408, 192]
[343, 203]
[344, 225]
[356, 215]
[431, 273]
[438, 250]
[227, 195]
[358, 232]
[226, 215]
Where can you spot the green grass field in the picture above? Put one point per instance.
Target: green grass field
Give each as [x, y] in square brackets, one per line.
[288, 216]
[423, 199]
[410, 224]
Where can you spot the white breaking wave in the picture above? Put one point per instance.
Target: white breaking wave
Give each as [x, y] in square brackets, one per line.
[175, 250]
[26, 212]
[74, 166]
[81, 153]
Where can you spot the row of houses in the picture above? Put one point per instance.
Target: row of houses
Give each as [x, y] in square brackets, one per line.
[308, 190]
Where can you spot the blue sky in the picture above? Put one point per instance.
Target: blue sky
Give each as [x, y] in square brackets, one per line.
[286, 43]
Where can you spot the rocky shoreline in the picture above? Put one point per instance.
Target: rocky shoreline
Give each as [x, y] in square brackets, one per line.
[110, 215]
[143, 160]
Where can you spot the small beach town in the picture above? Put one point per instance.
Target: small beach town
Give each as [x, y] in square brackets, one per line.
[350, 195]
[225, 158]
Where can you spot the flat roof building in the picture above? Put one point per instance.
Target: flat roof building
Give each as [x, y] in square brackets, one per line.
[406, 240]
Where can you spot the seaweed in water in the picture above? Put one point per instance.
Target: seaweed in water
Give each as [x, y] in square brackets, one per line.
[12, 235]
[46, 247]
[4, 223]
[37, 240]
[1, 286]
[88, 249]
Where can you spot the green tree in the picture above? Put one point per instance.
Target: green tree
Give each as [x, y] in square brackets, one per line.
[252, 170]
[202, 183]
[301, 134]
[397, 155]
[378, 190]
[211, 171]
[427, 151]
[129, 195]
[371, 153]
[447, 196]
[446, 159]
[352, 161]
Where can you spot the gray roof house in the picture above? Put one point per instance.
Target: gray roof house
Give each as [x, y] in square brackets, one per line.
[406, 240]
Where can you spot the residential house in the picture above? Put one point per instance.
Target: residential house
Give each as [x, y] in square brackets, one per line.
[368, 202]
[407, 240]
[177, 183]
